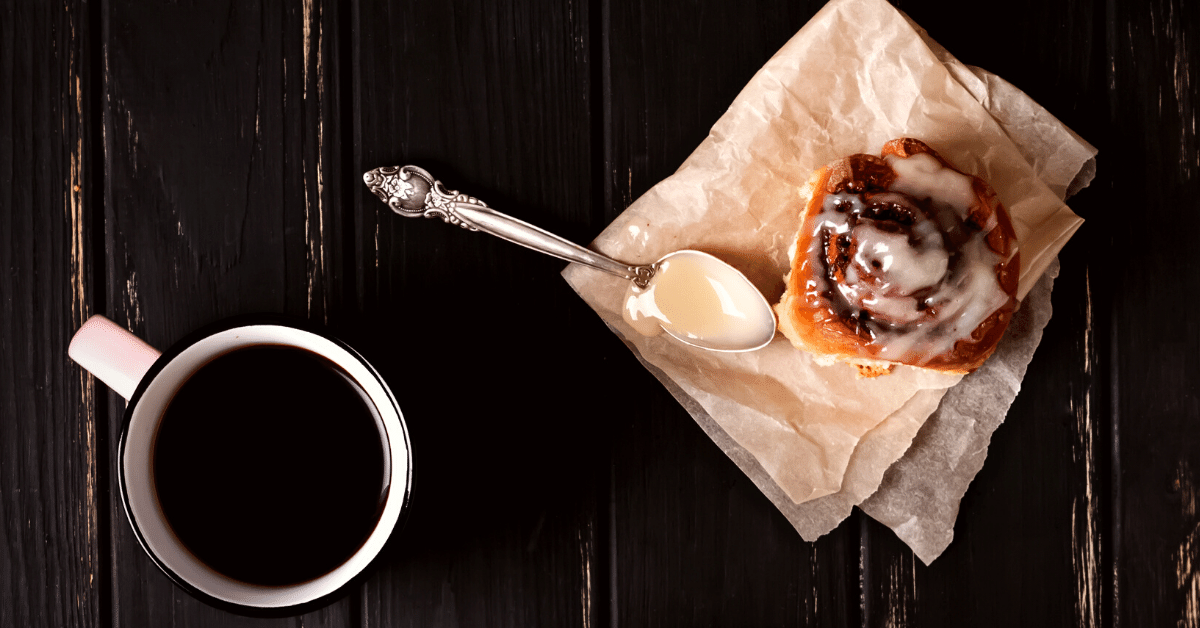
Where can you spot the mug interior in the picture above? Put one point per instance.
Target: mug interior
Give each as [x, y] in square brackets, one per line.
[138, 473]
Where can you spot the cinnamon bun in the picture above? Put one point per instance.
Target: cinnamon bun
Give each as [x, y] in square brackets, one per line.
[900, 259]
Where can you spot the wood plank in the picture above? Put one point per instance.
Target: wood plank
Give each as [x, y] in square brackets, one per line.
[53, 568]
[221, 137]
[501, 370]
[694, 542]
[1150, 289]
[1032, 544]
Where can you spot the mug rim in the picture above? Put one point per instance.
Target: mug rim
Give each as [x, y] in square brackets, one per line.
[272, 320]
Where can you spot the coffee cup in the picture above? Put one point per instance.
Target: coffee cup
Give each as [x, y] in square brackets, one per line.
[262, 464]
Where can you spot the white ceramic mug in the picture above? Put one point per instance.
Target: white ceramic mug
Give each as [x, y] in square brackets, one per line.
[149, 380]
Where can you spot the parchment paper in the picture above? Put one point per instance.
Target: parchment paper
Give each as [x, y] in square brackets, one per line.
[815, 439]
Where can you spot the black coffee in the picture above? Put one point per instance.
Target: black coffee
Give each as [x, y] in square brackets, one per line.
[269, 465]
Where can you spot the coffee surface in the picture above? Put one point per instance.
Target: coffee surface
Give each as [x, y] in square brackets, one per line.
[270, 465]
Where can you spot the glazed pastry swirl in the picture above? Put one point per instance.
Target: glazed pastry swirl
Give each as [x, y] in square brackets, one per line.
[901, 259]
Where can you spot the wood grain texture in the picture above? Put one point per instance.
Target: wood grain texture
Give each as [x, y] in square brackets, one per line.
[498, 366]
[1154, 349]
[694, 541]
[52, 552]
[171, 164]
[1033, 538]
[221, 161]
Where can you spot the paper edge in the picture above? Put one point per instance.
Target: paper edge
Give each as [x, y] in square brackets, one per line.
[908, 531]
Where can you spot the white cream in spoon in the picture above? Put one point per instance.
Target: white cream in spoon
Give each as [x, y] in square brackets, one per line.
[702, 301]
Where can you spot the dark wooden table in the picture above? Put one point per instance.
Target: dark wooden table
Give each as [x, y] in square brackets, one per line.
[169, 165]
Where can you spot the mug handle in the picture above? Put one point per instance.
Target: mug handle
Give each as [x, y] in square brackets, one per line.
[115, 356]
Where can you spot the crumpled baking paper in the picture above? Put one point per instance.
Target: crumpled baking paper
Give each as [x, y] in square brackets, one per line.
[817, 440]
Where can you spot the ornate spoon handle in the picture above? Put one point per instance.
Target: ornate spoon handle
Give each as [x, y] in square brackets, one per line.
[411, 191]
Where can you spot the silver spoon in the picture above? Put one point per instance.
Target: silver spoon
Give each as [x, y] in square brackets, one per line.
[411, 191]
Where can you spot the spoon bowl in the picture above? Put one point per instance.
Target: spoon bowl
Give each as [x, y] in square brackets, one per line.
[694, 297]
[702, 301]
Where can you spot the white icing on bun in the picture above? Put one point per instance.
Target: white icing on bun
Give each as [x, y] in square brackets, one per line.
[900, 259]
